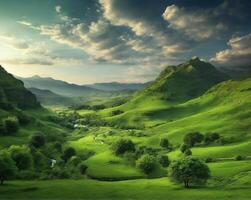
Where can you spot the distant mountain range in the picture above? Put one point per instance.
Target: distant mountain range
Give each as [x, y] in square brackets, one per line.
[74, 90]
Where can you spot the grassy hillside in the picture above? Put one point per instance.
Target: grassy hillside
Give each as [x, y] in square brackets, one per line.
[12, 91]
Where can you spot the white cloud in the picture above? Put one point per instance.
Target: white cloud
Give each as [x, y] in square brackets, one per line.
[58, 8]
[238, 54]
[197, 25]
[26, 23]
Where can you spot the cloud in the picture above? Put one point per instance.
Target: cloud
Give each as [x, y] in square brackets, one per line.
[26, 23]
[58, 8]
[237, 56]
[198, 25]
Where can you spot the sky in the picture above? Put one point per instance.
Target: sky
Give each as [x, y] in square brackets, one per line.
[89, 41]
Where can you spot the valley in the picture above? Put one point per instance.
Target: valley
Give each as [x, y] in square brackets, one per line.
[100, 142]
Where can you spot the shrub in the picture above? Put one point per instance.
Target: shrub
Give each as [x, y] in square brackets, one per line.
[74, 160]
[23, 118]
[7, 167]
[193, 138]
[123, 145]
[189, 171]
[22, 159]
[164, 160]
[184, 147]
[164, 142]
[82, 168]
[3, 129]
[68, 153]
[188, 152]
[37, 140]
[40, 161]
[12, 124]
[208, 160]
[239, 157]
[147, 163]
[211, 137]
[117, 112]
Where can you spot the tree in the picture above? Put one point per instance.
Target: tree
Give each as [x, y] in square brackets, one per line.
[211, 137]
[123, 145]
[184, 147]
[147, 163]
[12, 124]
[37, 140]
[164, 160]
[188, 152]
[164, 142]
[189, 170]
[3, 129]
[23, 160]
[7, 167]
[191, 139]
[68, 153]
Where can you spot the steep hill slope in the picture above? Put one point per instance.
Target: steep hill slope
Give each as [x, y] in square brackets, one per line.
[13, 91]
[175, 85]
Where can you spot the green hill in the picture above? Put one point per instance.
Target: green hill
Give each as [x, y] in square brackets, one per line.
[13, 91]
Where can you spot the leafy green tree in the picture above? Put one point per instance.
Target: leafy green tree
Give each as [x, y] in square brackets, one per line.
[12, 124]
[147, 163]
[164, 160]
[82, 168]
[3, 129]
[123, 145]
[39, 160]
[7, 167]
[37, 140]
[189, 170]
[68, 153]
[184, 147]
[211, 137]
[23, 160]
[188, 152]
[193, 138]
[164, 142]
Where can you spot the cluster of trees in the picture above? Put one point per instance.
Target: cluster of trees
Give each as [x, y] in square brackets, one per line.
[42, 159]
[187, 170]
[145, 158]
[9, 125]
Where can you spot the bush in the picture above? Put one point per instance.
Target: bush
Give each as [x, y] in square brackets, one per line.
[189, 171]
[22, 159]
[117, 112]
[23, 118]
[74, 160]
[123, 145]
[27, 175]
[193, 138]
[164, 142]
[164, 160]
[68, 153]
[40, 161]
[184, 147]
[7, 167]
[188, 152]
[147, 163]
[12, 124]
[37, 140]
[3, 129]
[208, 160]
[239, 157]
[82, 168]
[211, 137]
